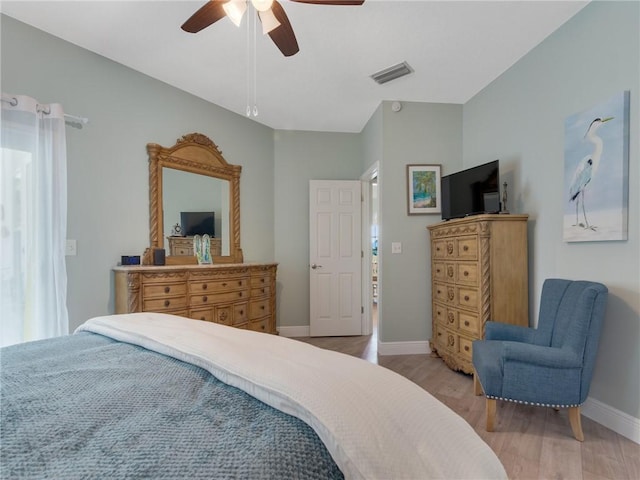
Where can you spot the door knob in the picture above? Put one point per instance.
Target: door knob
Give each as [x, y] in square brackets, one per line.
[314, 266]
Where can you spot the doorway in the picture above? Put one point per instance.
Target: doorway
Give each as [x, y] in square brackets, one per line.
[371, 255]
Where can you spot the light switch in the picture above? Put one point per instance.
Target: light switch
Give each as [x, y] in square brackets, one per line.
[396, 247]
[71, 248]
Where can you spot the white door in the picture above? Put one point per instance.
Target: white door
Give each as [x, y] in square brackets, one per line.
[335, 258]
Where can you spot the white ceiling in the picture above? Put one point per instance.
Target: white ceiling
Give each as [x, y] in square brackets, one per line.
[455, 47]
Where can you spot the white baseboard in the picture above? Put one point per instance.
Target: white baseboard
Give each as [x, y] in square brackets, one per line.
[296, 331]
[620, 422]
[403, 348]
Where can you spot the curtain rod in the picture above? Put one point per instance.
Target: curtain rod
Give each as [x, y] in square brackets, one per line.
[13, 101]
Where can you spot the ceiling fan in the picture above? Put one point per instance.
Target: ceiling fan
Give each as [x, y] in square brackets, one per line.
[272, 16]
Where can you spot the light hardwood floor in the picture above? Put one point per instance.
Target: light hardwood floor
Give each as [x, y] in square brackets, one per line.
[531, 442]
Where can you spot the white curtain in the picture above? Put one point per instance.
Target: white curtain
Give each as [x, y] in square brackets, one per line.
[33, 215]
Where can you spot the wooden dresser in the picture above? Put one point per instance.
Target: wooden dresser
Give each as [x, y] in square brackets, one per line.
[478, 273]
[240, 295]
[184, 246]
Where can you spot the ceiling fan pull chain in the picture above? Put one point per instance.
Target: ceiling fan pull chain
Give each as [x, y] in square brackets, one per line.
[255, 63]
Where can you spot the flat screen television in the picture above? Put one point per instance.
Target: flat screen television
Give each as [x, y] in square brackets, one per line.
[471, 192]
[197, 223]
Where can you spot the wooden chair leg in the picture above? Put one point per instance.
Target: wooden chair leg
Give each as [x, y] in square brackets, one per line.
[576, 423]
[491, 413]
[477, 388]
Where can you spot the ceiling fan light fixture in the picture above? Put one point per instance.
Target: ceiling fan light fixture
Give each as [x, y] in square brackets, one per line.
[262, 5]
[391, 73]
[235, 10]
[269, 21]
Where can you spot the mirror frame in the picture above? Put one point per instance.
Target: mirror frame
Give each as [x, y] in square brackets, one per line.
[194, 153]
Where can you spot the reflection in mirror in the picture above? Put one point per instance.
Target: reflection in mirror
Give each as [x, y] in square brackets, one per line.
[189, 192]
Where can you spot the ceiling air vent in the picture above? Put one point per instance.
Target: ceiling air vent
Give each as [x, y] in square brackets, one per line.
[391, 73]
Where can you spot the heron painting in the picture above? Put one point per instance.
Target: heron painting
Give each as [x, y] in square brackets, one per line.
[596, 172]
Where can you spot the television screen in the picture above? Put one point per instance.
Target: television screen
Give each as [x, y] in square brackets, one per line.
[197, 223]
[471, 192]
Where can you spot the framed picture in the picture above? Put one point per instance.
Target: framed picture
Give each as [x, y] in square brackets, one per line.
[596, 172]
[423, 189]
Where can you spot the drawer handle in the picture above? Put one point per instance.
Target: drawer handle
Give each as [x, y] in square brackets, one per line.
[240, 294]
[438, 313]
[263, 290]
[167, 289]
[262, 327]
[465, 248]
[437, 249]
[262, 280]
[241, 312]
[167, 303]
[437, 270]
[204, 286]
[262, 307]
[224, 284]
[205, 298]
[239, 283]
[451, 317]
[466, 298]
[439, 292]
[466, 274]
[466, 348]
[202, 318]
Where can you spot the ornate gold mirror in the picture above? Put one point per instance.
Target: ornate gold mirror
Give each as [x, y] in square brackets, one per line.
[192, 176]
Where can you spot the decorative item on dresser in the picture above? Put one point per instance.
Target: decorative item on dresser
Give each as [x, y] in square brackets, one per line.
[238, 295]
[478, 273]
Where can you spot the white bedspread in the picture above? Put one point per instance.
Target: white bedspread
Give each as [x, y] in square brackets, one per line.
[375, 423]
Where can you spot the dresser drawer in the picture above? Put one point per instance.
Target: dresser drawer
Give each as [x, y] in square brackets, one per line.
[467, 273]
[468, 298]
[258, 326]
[467, 247]
[260, 280]
[260, 292]
[164, 290]
[218, 285]
[439, 249]
[445, 316]
[240, 313]
[211, 298]
[164, 304]
[446, 339]
[259, 308]
[444, 293]
[205, 314]
[470, 324]
[464, 347]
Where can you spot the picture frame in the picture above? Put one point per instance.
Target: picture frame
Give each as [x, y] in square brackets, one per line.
[423, 189]
[596, 172]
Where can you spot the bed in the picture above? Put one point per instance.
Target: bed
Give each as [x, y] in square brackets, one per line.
[150, 395]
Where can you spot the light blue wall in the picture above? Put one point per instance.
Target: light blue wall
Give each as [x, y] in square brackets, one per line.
[420, 133]
[108, 193]
[519, 119]
[300, 157]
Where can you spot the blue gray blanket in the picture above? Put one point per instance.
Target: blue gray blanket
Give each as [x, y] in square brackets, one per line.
[85, 406]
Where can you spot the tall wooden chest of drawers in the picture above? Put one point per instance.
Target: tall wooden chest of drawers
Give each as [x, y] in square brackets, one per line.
[239, 295]
[478, 273]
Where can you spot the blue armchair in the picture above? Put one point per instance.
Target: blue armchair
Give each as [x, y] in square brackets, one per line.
[551, 365]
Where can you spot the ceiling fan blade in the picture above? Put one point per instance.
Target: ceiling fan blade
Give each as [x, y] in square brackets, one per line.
[208, 14]
[331, 2]
[283, 36]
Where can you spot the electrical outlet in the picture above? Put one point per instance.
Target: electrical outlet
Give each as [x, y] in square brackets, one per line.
[396, 247]
[71, 248]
